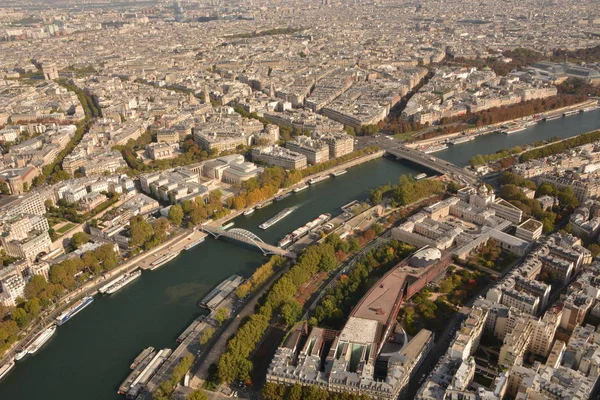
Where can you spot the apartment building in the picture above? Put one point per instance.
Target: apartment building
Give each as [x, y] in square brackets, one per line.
[279, 156]
[315, 151]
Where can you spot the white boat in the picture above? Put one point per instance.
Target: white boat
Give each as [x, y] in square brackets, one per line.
[249, 211]
[552, 117]
[303, 230]
[278, 217]
[301, 188]
[141, 357]
[123, 281]
[6, 368]
[462, 139]
[41, 339]
[339, 173]
[285, 241]
[163, 260]
[263, 205]
[420, 176]
[283, 196]
[20, 354]
[318, 179]
[436, 148]
[194, 244]
[104, 288]
[227, 226]
[509, 131]
[74, 310]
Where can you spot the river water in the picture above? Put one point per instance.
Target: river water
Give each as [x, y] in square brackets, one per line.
[563, 128]
[90, 355]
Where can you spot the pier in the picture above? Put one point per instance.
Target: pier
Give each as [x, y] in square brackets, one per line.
[249, 238]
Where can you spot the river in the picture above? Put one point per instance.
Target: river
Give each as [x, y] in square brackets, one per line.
[486, 144]
[89, 356]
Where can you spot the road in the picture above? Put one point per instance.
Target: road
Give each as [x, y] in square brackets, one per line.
[434, 163]
[200, 370]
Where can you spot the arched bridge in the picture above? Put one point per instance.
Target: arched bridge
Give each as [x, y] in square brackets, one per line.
[247, 237]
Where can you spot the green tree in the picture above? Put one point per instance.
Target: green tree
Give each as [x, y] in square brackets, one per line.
[227, 367]
[33, 307]
[160, 227]
[354, 244]
[197, 395]
[567, 198]
[20, 317]
[376, 196]
[79, 239]
[314, 393]
[206, 335]
[221, 315]
[446, 285]
[4, 189]
[36, 285]
[291, 311]
[140, 231]
[594, 249]
[510, 192]
[453, 187]
[548, 222]
[295, 392]
[176, 214]
[545, 189]
[273, 391]
[328, 262]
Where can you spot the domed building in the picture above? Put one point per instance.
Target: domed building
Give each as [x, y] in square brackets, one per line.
[425, 257]
[482, 196]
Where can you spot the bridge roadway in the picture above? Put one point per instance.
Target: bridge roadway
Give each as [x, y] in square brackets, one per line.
[433, 163]
[249, 238]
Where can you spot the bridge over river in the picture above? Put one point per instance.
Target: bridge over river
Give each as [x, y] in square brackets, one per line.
[433, 163]
[249, 238]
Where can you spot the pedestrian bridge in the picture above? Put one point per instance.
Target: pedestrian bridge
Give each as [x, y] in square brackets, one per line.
[249, 238]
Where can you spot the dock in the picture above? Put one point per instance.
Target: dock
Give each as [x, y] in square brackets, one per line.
[141, 357]
[190, 329]
[189, 345]
[148, 363]
[137, 370]
[139, 383]
[216, 296]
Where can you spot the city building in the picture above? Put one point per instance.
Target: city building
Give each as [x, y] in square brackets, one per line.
[315, 151]
[230, 169]
[279, 156]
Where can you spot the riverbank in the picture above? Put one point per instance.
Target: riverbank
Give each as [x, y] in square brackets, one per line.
[476, 132]
[557, 129]
[176, 242]
[156, 308]
[304, 181]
